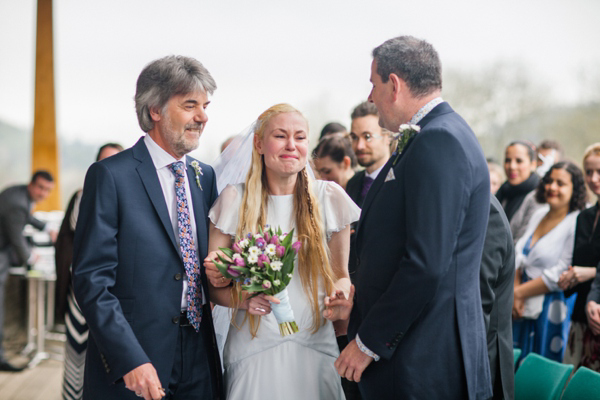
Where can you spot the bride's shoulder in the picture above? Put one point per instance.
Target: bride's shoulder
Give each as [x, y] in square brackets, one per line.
[232, 192]
[326, 189]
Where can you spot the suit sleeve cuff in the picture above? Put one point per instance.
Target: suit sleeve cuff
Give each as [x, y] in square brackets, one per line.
[365, 350]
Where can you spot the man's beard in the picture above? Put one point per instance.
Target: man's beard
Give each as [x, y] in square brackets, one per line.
[179, 143]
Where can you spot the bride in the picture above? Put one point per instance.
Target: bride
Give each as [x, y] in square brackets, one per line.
[278, 190]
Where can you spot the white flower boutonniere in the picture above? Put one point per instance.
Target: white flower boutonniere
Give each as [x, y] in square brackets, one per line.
[405, 132]
[198, 171]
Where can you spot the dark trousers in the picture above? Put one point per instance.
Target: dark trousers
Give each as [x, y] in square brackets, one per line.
[190, 378]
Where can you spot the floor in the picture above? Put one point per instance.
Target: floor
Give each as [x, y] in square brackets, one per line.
[42, 382]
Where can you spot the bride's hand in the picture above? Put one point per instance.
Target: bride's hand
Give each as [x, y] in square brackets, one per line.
[337, 306]
[214, 275]
[261, 304]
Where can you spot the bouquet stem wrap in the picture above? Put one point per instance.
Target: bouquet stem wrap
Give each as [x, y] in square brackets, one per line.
[284, 314]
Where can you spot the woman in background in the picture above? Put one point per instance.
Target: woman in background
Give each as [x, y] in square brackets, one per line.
[540, 312]
[517, 194]
[334, 159]
[583, 347]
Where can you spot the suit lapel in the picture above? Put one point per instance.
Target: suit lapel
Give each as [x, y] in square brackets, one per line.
[199, 213]
[440, 109]
[147, 173]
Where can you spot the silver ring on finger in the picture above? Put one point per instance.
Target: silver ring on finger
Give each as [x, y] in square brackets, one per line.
[139, 395]
[260, 309]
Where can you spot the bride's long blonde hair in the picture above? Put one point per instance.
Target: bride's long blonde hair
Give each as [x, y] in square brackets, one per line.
[313, 258]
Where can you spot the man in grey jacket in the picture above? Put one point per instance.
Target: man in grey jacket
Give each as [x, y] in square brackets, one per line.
[16, 203]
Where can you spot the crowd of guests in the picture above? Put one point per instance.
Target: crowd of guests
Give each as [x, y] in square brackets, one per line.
[557, 244]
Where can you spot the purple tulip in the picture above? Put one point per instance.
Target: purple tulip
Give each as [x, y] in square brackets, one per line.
[280, 251]
[266, 285]
[274, 240]
[236, 247]
[239, 262]
[260, 243]
[267, 237]
[233, 272]
[262, 259]
[296, 246]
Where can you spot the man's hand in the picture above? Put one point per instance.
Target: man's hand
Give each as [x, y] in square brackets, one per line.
[518, 305]
[352, 362]
[214, 275]
[337, 306]
[592, 309]
[143, 380]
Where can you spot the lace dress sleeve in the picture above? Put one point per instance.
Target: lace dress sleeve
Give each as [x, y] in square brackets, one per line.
[338, 209]
[224, 213]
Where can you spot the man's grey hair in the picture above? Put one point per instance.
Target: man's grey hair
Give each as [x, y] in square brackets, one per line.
[167, 77]
[363, 109]
[413, 60]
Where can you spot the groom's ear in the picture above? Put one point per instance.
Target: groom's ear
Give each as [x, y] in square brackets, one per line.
[398, 85]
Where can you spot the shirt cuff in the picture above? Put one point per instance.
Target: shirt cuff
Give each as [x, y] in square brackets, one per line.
[365, 350]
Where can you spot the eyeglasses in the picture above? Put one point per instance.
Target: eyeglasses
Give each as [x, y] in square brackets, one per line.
[367, 137]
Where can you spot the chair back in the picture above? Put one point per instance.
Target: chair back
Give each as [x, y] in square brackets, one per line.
[516, 354]
[585, 384]
[539, 378]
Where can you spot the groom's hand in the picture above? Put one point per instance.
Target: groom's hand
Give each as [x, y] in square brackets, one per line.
[337, 306]
[144, 381]
[352, 362]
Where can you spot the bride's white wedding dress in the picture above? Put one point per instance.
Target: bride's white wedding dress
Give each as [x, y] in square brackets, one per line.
[298, 366]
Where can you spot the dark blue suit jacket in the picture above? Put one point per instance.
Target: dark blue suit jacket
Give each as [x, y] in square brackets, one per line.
[419, 244]
[128, 271]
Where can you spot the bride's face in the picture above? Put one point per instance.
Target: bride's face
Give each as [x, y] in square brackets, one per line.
[284, 144]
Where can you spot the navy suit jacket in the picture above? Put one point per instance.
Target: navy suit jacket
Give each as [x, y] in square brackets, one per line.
[419, 244]
[128, 271]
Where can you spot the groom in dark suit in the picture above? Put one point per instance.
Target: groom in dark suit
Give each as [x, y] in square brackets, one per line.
[417, 329]
[141, 230]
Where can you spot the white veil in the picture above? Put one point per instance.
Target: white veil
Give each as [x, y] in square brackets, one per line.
[232, 165]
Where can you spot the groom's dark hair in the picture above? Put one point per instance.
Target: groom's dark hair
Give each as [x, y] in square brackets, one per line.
[413, 60]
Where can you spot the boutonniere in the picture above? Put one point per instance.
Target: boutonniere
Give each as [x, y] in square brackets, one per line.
[198, 171]
[405, 132]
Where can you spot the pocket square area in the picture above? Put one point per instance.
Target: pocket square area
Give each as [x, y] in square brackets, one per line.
[390, 176]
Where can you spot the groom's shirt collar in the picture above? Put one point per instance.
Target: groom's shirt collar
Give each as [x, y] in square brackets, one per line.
[425, 110]
[159, 156]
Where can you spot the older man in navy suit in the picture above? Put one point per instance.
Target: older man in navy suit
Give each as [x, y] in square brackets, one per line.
[141, 232]
[417, 323]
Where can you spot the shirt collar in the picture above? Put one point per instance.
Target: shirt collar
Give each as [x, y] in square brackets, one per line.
[425, 110]
[159, 156]
[374, 174]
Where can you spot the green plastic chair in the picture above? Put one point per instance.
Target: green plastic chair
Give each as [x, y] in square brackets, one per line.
[516, 354]
[585, 384]
[539, 378]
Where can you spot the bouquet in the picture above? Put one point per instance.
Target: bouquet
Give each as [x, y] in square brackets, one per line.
[264, 263]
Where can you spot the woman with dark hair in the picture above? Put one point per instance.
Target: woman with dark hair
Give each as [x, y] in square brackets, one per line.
[541, 313]
[517, 194]
[583, 347]
[335, 160]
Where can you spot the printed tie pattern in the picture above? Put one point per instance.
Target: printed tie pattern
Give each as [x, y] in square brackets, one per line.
[188, 248]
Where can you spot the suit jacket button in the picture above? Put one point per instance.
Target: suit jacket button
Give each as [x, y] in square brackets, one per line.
[175, 320]
[177, 277]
